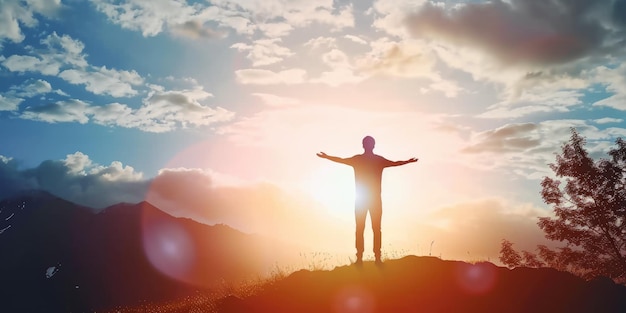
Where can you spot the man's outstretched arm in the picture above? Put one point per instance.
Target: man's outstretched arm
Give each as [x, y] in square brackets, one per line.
[332, 158]
[398, 163]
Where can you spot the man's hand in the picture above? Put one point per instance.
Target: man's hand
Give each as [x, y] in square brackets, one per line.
[322, 155]
[411, 160]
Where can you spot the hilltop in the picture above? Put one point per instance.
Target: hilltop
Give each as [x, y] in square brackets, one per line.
[428, 284]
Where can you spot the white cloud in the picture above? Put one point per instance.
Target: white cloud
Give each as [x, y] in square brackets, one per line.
[267, 77]
[390, 15]
[116, 172]
[61, 51]
[525, 149]
[148, 17]
[615, 82]
[26, 63]
[168, 110]
[162, 111]
[298, 13]
[275, 29]
[335, 58]
[402, 59]
[195, 29]
[78, 179]
[14, 14]
[10, 100]
[608, 120]
[321, 42]
[342, 71]
[356, 39]
[245, 17]
[264, 51]
[4, 159]
[77, 162]
[537, 99]
[64, 57]
[9, 103]
[72, 110]
[33, 88]
[117, 83]
[112, 114]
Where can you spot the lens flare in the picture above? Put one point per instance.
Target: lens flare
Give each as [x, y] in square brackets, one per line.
[477, 278]
[168, 246]
[353, 299]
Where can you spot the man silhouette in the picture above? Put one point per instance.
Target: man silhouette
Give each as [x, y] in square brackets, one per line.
[368, 171]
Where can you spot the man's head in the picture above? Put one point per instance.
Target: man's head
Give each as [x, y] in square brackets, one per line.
[368, 143]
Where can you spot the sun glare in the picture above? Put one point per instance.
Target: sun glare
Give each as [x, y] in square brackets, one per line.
[333, 187]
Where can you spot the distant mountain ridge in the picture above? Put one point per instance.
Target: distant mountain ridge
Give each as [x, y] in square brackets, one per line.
[61, 257]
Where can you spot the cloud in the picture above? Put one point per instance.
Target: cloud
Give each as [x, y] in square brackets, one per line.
[14, 14]
[267, 77]
[261, 207]
[398, 59]
[264, 51]
[273, 30]
[321, 42]
[72, 110]
[9, 103]
[389, 15]
[296, 13]
[531, 48]
[161, 111]
[525, 149]
[474, 229]
[103, 81]
[167, 110]
[63, 57]
[148, 17]
[608, 120]
[342, 71]
[10, 100]
[196, 30]
[25, 63]
[615, 82]
[32, 88]
[274, 18]
[508, 138]
[194, 193]
[519, 31]
[406, 59]
[355, 39]
[75, 178]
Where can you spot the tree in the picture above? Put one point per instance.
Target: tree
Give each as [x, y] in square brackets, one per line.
[589, 201]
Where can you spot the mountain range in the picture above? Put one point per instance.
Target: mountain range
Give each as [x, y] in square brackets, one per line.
[57, 256]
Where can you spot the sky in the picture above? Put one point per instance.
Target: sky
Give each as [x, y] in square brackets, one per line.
[214, 110]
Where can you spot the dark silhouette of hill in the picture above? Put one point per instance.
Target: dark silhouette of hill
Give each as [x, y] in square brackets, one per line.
[428, 284]
[56, 256]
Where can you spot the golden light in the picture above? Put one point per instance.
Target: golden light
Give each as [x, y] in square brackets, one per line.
[333, 187]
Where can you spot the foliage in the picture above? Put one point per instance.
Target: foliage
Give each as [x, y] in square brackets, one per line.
[589, 202]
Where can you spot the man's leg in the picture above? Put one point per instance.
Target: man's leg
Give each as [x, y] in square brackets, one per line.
[360, 215]
[376, 214]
